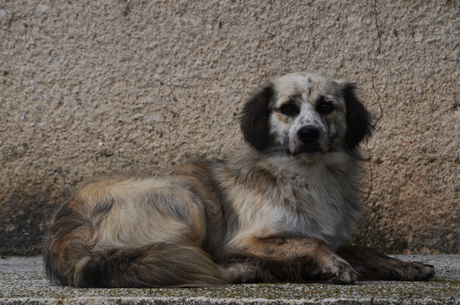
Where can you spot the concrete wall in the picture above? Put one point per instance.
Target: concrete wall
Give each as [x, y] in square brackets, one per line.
[91, 86]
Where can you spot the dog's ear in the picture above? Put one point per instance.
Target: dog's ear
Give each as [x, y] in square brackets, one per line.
[255, 118]
[359, 120]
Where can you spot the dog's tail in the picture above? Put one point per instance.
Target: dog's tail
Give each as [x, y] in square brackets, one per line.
[158, 265]
[69, 259]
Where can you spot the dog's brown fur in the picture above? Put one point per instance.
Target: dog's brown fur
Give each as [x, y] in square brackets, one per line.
[276, 209]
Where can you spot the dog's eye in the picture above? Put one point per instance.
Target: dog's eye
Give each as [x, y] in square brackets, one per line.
[325, 107]
[289, 109]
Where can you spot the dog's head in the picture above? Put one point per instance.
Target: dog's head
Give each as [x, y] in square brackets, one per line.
[308, 115]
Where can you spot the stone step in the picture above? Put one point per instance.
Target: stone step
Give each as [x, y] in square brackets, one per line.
[23, 281]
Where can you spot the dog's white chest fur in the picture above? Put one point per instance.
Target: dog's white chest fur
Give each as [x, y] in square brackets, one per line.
[316, 200]
[321, 210]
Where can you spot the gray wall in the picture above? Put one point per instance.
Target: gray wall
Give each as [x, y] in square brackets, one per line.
[91, 86]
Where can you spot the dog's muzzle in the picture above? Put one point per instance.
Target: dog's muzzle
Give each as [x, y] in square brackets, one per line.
[309, 141]
[308, 135]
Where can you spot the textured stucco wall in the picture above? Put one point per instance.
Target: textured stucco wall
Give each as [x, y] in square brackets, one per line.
[91, 86]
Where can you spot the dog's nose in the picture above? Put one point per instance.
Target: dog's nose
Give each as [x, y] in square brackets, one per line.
[308, 135]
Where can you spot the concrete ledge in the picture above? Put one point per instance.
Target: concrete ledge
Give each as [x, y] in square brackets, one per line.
[222, 301]
[22, 281]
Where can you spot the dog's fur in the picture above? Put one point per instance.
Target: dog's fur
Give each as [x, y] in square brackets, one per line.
[278, 208]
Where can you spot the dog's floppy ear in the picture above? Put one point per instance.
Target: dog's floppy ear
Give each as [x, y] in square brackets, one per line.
[255, 118]
[359, 120]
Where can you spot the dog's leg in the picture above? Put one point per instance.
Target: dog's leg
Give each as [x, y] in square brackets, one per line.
[373, 265]
[295, 259]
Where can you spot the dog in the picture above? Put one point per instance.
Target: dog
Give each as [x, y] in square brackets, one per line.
[277, 209]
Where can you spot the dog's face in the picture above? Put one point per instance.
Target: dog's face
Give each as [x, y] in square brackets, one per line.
[308, 115]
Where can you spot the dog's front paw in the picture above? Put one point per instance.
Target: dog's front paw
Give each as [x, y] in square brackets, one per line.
[338, 271]
[414, 271]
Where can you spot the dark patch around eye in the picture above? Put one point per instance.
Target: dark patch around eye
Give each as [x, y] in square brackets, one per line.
[290, 108]
[323, 106]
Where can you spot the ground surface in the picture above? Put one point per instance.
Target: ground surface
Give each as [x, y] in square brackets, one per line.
[22, 281]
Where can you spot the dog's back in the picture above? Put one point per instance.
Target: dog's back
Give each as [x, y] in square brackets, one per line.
[131, 232]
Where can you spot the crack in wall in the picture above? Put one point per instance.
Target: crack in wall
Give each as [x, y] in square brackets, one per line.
[378, 51]
[380, 116]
